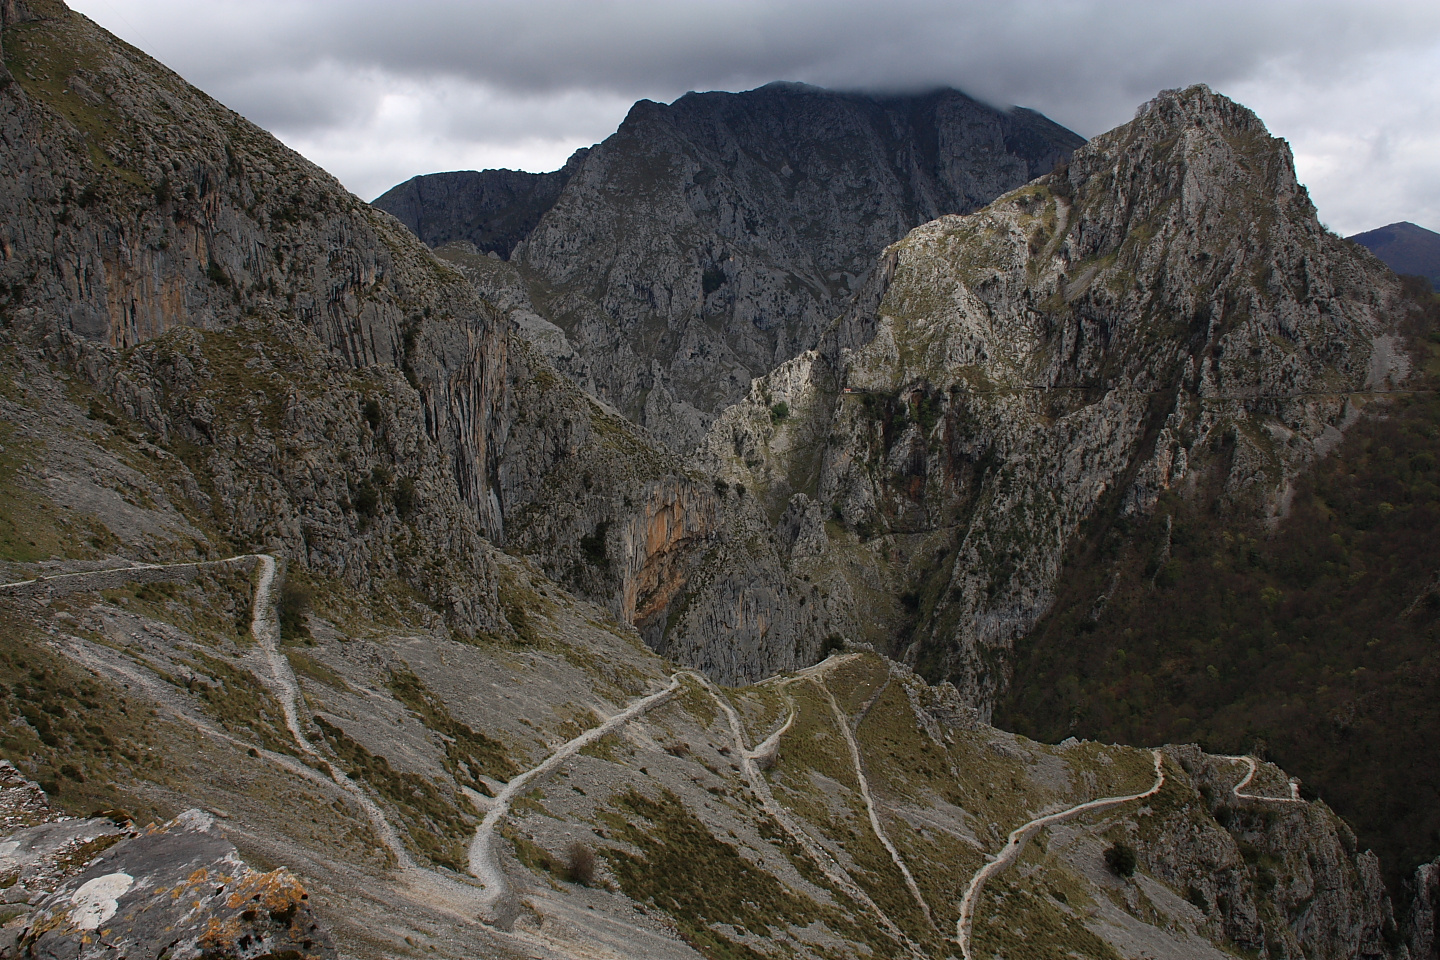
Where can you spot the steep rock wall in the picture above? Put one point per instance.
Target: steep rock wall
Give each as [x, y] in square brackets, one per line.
[713, 238]
[234, 299]
[1166, 304]
[492, 210]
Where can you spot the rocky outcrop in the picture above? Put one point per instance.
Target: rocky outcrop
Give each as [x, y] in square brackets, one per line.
[180, 891]
[1278, 877]
[1422, 932]
[492, 210]
[711, 239]
[81, 888]
[1166, 306]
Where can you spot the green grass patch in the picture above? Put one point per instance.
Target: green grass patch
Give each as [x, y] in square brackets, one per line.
[238, 701]
[81, 738]
[1021, 919]
[703, 882]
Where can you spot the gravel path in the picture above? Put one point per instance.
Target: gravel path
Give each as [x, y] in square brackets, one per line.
[1254, 766]
[761, 788]
[1016, 844]
[265, 628]
[484, 863]
[844, 723]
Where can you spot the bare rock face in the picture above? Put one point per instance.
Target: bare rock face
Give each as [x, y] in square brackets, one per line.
[492, 210]
[74, 889]
[711, 239]
[1421, 927]
[179, 891]
[313, 380]
[1278, 877]
[1165, 306]
[323, 385]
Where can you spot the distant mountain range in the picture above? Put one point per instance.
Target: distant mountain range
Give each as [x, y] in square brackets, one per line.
[709, 240]
[1405, 248]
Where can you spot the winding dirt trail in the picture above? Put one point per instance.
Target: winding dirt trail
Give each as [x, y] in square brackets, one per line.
[1254, 766]
[765, 749]
[484, 863]
[843, 722]
[265, 628]
[761, 788]
[1018, 838]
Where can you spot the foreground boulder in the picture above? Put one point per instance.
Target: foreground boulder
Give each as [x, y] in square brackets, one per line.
[179, 890]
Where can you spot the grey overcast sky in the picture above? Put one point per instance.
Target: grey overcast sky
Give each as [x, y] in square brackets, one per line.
[378, 92]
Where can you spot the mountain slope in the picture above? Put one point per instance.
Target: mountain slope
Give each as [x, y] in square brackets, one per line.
[244, 312]
[311, 378]
[1314, 636]
[1406, 249]
[710, 239]
[312, 433]
[1021, 380]
[592, 801]
[492, 210]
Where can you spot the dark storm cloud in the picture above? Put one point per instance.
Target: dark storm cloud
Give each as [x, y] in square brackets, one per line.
[355, 82]
[1090, 62]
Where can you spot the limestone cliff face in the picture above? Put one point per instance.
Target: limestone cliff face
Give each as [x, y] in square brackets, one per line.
[711, 239]
[1164, 306]
[610, 512]
[491, 209]
[333, 389]
[1422, 923]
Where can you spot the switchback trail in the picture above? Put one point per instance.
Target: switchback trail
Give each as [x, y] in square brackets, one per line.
[484, 863]
[879, 830]
[761, 788]
[1254, 766]
[1020, 835]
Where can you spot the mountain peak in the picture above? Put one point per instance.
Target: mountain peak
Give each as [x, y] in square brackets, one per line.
[1405, 248]
[1188, 110]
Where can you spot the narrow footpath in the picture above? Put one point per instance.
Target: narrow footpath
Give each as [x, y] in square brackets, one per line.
[1254, 766]
[843, 722]
[761, 788]
[484, 862]
[1018, 838]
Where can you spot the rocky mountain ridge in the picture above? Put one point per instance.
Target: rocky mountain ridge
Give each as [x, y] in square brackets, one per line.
[311, 379]
[710, 239]
[492, 210]
[1164, 307]
[218, 362]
